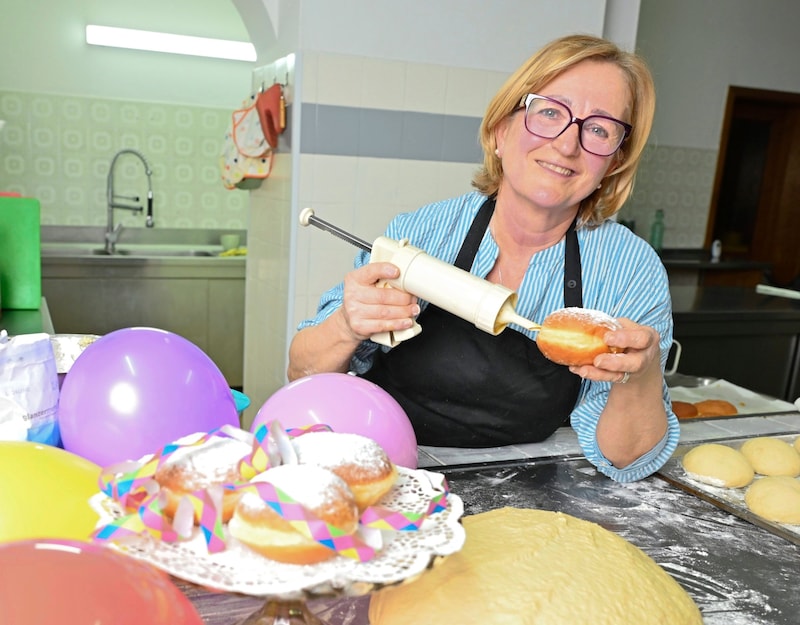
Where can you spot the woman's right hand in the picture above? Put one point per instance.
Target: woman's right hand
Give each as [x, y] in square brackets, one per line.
[371, 306]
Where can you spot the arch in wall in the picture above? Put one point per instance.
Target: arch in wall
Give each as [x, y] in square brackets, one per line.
[260, 18]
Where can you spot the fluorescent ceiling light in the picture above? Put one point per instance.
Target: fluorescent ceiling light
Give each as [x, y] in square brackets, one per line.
[164, 42]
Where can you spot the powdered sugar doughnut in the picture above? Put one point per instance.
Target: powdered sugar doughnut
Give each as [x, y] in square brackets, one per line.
[359, 461]
[574, 336]
[194, 468]
[320, 491]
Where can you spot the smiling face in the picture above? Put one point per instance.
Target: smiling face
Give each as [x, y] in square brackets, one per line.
[555, 175]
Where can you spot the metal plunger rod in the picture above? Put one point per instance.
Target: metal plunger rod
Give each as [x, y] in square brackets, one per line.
[307, 217]
[489, 306]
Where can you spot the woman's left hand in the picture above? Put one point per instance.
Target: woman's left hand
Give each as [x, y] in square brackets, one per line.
[639, 358]
[634, 417]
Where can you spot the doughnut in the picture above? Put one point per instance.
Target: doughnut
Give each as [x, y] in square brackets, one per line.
[715, 408]
[359, 461]
[259, 527]
[574, 336]
[684, 409]
[193, 468]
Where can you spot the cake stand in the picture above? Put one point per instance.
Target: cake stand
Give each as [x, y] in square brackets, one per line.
[285, 588]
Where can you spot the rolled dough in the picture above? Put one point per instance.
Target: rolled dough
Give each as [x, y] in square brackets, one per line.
[718, 465]
[775, 498]
[772, 456]
[797, 443]
[538, 567]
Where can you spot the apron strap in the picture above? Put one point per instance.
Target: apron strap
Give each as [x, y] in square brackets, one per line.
[466, 255]
[573, 287]
[464, 387]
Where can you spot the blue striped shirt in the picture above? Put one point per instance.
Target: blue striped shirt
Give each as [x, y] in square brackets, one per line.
[622, 275]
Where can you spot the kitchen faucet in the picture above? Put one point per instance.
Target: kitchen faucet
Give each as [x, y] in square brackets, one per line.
[112, 231]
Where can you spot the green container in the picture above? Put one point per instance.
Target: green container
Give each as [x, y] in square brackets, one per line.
[20, 254]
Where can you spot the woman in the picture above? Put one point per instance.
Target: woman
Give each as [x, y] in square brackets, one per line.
[562, 140]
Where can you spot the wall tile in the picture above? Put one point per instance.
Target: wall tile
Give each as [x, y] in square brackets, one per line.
[426, 88]
[340, 80]
[58, 149]
[679, 181]
[383, 84]
[465, 92]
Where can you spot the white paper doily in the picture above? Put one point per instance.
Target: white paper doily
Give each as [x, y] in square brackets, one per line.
[237, 569]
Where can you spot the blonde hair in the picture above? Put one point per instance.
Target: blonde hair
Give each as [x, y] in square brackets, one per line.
[550, 61]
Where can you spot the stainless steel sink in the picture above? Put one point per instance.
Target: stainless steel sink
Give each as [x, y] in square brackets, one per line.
[130, 251]
[153, 252]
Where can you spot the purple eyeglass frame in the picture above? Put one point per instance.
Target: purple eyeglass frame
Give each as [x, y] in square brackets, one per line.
[525, 101]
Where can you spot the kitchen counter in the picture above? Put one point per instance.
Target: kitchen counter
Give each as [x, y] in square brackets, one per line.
[726, 303]
[737, 572]
[27, 321]
[701, 259]
[176, 281]
[695, 267]
[734, 333]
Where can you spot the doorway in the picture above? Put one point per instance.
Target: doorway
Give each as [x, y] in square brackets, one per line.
[755, 203]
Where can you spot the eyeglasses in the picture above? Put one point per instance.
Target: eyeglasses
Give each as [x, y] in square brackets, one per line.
[547, 118]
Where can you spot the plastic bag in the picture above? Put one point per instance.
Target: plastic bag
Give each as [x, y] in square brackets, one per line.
[29, 384]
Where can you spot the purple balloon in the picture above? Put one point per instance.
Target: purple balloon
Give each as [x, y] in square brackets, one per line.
[135, 390]
[347, 404]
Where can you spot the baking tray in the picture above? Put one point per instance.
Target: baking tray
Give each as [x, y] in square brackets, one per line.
[746, 401]
[728, 499]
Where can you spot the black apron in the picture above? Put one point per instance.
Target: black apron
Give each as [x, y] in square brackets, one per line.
[463, 387]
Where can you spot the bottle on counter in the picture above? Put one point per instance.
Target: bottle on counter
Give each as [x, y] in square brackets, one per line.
[716, 250]
[657, 231]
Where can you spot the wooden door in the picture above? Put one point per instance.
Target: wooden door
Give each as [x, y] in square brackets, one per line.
[755, 204]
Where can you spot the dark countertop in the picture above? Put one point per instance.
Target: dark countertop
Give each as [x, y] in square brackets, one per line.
[737, 572]
[731, 302]
[677, 258]
[27, 321]
[736, 334]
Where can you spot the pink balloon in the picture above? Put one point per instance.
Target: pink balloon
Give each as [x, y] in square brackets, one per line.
[135, 390]
[348, 404]
[71, 582]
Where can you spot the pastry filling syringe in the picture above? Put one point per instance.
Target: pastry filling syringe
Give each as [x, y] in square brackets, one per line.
[489, 306]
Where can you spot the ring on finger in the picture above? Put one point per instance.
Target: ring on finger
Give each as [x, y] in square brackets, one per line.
[625, 377]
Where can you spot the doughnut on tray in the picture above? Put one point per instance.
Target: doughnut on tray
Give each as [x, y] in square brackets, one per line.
[746, 401]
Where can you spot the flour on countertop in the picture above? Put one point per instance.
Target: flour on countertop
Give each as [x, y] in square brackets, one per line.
[691, 539]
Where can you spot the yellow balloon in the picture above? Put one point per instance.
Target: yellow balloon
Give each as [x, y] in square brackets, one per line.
[44, 492]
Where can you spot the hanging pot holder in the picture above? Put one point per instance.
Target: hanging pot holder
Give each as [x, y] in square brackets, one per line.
[271, 107]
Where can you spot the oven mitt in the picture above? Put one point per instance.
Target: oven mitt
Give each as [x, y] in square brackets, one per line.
[271, 107]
